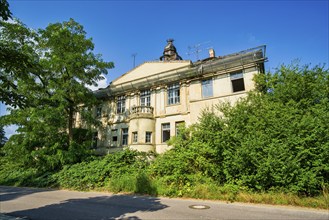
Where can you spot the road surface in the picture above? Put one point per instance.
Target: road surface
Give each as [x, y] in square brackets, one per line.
[34, 204]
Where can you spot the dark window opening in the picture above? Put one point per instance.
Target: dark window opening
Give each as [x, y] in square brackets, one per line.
[237, 81]
[94, 140]
[124, 136]
[165, 132]
[238, 85]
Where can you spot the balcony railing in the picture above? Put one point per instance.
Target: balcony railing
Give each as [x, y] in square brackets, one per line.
[141, 109]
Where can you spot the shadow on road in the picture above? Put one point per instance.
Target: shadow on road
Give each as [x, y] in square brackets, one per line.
[104, 207]
[10, 193]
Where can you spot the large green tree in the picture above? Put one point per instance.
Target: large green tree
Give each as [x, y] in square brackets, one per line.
[48, 88]
[67, 55]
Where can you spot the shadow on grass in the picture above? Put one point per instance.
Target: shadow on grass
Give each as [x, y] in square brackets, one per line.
[103, 207]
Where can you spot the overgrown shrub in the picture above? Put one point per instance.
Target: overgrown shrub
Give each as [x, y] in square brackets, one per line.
[275, 138]
[99, 172]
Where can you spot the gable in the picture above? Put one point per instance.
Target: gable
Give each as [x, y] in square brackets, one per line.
[149, 69]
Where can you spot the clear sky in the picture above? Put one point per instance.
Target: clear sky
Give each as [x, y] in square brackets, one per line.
[291, 30]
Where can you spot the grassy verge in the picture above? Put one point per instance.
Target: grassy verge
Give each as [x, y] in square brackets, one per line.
[233, 193]
[126, 174]
[141, 183]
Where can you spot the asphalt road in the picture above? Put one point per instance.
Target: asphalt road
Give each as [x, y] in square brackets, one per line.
[34, 204]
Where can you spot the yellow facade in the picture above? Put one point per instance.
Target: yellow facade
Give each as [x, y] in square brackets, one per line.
[143, 108]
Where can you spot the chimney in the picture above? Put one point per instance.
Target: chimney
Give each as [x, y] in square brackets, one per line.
[211, 53]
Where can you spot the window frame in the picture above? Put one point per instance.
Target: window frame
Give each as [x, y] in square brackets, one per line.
[207, 88]
[177, 124]
[237, 82]
[124, 136]
[145, 98]
[148, 137]
[173, 94]
[134, 137]
[121, 104]
[114, 133]
[166, 129]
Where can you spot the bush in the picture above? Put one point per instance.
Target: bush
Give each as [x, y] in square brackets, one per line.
[99, 172]
[276, 137]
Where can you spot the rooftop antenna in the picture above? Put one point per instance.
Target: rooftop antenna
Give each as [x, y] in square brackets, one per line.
[134, 58]
[197, 49]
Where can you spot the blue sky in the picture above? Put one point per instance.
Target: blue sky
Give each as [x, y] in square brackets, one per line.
[290, 29]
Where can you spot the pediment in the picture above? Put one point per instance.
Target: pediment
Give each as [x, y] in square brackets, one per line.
[150, 69]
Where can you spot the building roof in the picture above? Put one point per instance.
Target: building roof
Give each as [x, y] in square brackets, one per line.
[156, 73]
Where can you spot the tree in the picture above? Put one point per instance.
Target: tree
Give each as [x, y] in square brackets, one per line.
[19, 62]
[48, 89]
[67, 54]
[5, 13]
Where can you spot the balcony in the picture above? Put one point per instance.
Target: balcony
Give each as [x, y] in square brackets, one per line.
[141, 112]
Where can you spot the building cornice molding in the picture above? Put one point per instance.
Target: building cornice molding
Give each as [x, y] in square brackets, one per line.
[210, 67]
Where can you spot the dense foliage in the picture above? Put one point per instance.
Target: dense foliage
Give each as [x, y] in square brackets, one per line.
[274, 139]
[122, 171]
[44, 75]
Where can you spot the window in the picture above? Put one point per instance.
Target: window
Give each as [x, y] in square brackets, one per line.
[124, 136]
[207, 90]
[121, 104]
[99, 111]
[173, 94]
[146, 98]
[94, 140]
[179, 125]
[135, 137]
[148, 137]
[114, 136]
[165, 132]
[237, 82]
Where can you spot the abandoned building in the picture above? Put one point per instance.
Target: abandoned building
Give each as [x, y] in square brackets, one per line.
[144, 107]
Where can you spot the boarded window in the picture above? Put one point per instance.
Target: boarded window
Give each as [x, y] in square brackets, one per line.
[207, 90]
